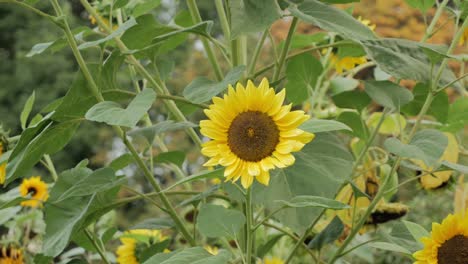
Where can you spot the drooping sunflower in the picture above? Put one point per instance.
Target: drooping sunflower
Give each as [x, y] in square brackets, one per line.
[252, 132]
[11, 255]
[38, 190]
[2, 167]
[132, 247]
[448, 243]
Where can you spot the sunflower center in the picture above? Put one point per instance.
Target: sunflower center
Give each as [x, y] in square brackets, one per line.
[32, 191]
[253, 136]
[453, 251]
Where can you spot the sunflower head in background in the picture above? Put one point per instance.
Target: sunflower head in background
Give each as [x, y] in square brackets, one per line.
[447, 244]
[11, 255]
[35, 187]
[252, 132]
[2, 166]
[139, 244]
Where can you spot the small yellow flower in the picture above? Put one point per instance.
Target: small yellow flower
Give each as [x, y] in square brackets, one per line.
[212, 250]
[2, 167]
[38, 190]
[11, 255]
[93, 21]
[367, 23]
[127, 253]
[272, 260]
[447, 244]
[252, 133]
[346, 63]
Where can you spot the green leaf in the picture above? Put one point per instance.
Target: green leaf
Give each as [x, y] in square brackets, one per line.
[11, 198]
[50, 140]
[27, 110]
[145, 7]
[112, 114]
[320, 168]
[164, 126]
[458, 115]
[119, 31]
[439, 107]
[248, 16]
[175, 157]
[341, 84]
[217, 221]
[416, 230]
[300, 41]
[313, 201]
[195, 255]
[339, 1]
[202, 89]
[263, 249]
[323, 125]
[390, 247]
[427, 145]
[352, 99]
[437, 53]
[355, 122]
[331, 233]
[218, 173]
[301, 73]
[331, 19]
[388, 94]
[458, 167]
[422, 5]
[404, 59]
[122, 162]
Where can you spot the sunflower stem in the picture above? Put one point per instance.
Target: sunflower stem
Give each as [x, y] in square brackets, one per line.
[431, 26]
[303, 237]
[249, 217]
[223, 19]
[285, 50]
[51, 167]
[101, 251]
[256, 53]
[196, 18]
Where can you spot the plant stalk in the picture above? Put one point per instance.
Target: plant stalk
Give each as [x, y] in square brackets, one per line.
[249, 218]
[285, 50]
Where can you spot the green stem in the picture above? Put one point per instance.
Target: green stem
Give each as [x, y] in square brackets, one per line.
[304, 236]
[223, 19]
[285, 50]
[235, 45]
[266, 218]
[51, 167]
[431, 26]
[33, 9]
[192, 6]
[181, 99]
[96, 246]
[256, 53]
[249, 216]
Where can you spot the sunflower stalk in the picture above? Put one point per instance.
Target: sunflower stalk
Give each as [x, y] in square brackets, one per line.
[285, 50]
[249, 222]
[99, 249]
[95, 91]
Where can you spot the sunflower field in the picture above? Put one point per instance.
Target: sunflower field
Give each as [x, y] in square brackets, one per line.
[233, 131]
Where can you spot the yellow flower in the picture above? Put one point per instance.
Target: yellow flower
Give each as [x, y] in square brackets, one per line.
[127, 253]
[252, 132]
[447, 244]
[212, 250]
[11, 255]
[272, 260]
[464, 37]
[38, 190]
[346, 63]
[431, 181]
[93, 21]
[2, 167]
[367, 23]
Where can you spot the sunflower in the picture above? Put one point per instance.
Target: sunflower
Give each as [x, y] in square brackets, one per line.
[272, 260]
[38, 190]
[2, 167]
[447, 244]
[131, 248]
[11, 255]
[252, 132]
[435, 180]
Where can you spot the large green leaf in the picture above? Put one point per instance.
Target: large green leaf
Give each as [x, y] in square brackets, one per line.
[356, 123]
[404, 59]
[458, 115]
[439, 107]
[27, 110]
[323, 125]
[331, 19]
[49, 141]
[195, 255]
[352, 99]
[249, 16]
[320, 168]
[416, 230]
[388, 94]
[218, 221]
[301, 73]
[427, 145]
[112, 113]
[203, 89]
[119, 31]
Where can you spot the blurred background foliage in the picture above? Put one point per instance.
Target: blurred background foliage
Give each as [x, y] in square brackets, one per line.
[50, 75]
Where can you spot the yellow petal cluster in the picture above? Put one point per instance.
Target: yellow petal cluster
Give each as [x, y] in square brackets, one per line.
[35, 187]
[127, 252]
[11, 255]
[252, 132]
[2, 167]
